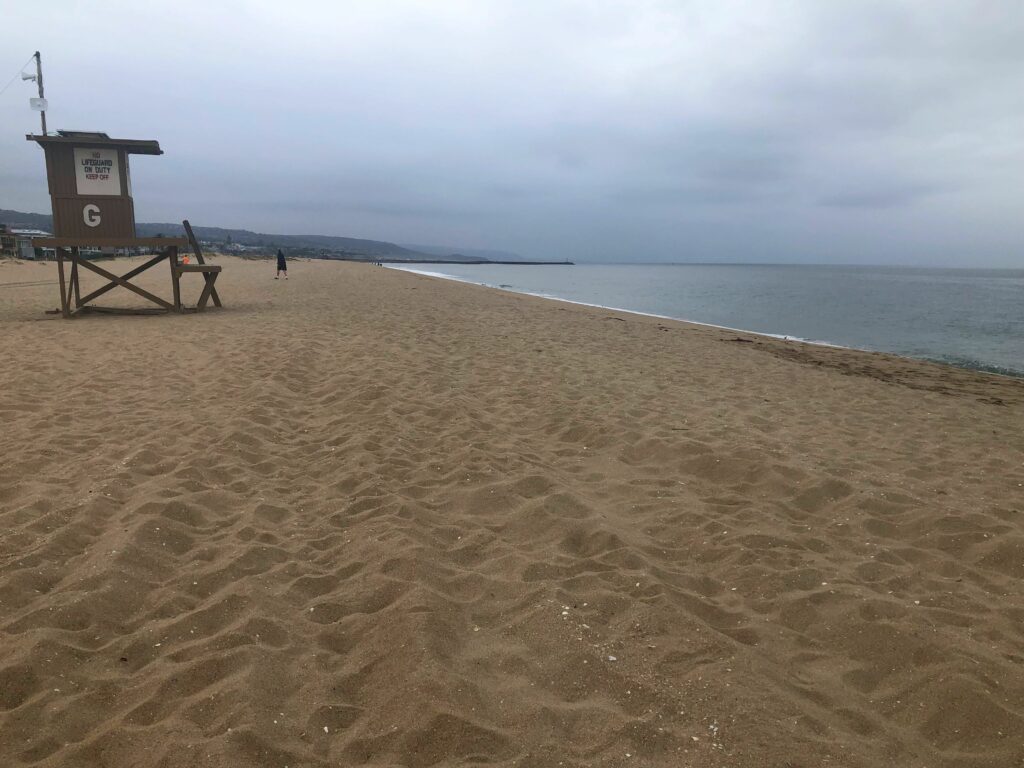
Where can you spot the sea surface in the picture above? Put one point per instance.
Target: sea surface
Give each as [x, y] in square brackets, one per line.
[967, 317]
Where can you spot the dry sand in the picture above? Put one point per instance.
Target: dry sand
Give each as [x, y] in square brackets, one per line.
[365, 517]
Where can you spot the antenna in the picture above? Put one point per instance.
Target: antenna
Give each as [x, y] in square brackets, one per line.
[39, 82]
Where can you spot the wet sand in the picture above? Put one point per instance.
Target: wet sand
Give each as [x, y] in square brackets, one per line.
[366, 517]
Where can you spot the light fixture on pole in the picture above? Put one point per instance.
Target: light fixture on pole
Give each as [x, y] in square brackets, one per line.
[37, 104]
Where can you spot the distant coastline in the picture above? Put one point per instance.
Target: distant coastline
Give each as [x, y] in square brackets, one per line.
[244, 243]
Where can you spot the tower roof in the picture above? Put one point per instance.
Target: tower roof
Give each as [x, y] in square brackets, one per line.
[98, 139]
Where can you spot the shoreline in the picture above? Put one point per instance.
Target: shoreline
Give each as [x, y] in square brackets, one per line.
[981, 368]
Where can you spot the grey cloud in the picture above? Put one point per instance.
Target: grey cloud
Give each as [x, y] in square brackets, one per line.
[881, 195]
[708, 129]
[695, 194]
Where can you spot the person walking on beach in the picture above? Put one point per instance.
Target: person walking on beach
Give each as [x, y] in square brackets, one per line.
[282, 265]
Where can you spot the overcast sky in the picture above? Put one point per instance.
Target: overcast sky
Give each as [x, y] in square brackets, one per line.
[617, 130]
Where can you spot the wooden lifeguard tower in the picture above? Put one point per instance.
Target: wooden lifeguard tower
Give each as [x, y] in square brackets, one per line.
[91, 196]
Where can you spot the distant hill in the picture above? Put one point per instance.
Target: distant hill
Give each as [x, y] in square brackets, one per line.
[314, 246]
[346, 246]
[324, 246]
[27, 220]
[464, 254]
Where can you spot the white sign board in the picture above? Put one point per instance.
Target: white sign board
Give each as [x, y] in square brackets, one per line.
[97, 171]
[37, 105]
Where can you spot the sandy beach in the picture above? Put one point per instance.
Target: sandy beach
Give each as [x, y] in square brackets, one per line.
[367, 517]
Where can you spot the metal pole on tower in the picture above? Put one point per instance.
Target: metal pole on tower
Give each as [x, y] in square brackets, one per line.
[39, 82]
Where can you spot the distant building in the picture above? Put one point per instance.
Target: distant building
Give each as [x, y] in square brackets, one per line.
[8, 243]
[16, 243]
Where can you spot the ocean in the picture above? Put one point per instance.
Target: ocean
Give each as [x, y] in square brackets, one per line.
[972, 318]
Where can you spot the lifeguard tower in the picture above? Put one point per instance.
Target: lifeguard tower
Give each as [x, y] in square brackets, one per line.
[91, 196]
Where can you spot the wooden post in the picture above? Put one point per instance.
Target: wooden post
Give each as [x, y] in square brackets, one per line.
[39, 83]
[208, 280]
[172, 252]
[192, 239]
[199, 257]
[63, 288]
[76, 254]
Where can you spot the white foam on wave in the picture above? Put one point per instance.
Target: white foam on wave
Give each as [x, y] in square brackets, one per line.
[551, 297]
[431, 273]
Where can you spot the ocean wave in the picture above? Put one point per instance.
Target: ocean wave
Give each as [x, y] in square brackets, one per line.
[975, 365]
